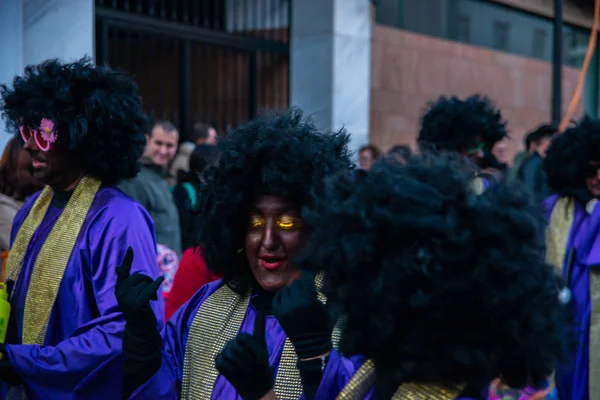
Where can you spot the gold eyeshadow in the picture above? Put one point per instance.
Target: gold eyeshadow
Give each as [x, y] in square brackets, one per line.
[286, 222]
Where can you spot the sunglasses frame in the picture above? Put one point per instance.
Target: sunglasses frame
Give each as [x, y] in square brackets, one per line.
[37, 136]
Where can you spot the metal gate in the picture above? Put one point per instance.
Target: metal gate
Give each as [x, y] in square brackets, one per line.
[213, 61]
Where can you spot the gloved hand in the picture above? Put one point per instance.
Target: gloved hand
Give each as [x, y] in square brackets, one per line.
[142, 343]
[304, 318]
[7, 371]
[245, 363]
[134, 293]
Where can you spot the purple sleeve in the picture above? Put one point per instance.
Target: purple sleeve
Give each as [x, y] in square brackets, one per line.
[549, 204]
[166, 383]
[336, 375]
[80, 363]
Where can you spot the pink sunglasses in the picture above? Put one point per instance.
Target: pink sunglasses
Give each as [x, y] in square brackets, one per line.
[44, 136]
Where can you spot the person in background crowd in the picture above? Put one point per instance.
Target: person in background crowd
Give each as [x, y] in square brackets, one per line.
[400, 153]
[265, 324]
[16, 185]
[531, 172]
[494, 162]
[202, 134]
[83, 127]
[150, 189]
[168, 263]
[185, 191]
[367, 155]
[572, 166]
[458, 290]
[193, 272]
[529, 147]
[467, 127]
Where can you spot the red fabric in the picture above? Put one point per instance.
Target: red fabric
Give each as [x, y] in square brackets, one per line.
[191, 276]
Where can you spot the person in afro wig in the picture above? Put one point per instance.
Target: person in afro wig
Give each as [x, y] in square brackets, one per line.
[268, 170]
[440, 289]
[464, 126]
[96, 115]
[84, 129]
[572, 167]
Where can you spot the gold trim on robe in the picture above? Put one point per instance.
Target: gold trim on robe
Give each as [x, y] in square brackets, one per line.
[219, 320]
[53, 257]
[558, 231]
[51, 261]
[365, 377]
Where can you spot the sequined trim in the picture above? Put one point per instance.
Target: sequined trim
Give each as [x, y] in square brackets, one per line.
[53, 257]
[558, 230]
[218, 320]
[360, 384]
[364, 379]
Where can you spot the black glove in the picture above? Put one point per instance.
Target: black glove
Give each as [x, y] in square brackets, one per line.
[7, 371]
[134, 293]
[245, 363]
[303, 317]
[142, 343]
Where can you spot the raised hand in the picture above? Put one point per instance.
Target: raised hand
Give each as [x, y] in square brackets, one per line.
[245, 363]
[142, 343]
[304, 318]
[134, 293]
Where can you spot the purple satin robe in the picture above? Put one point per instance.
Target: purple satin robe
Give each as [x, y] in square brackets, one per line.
[81, 355]
[572, 379]
[166, 383]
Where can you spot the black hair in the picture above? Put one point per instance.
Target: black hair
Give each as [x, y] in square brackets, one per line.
[277, 154]
[375, 152]
[165, 125]
[569, 155]
[433, 282]
[452, 124]
[401, 151]
[201, 158]
[541, 132]
[97, 111]
[200, 131]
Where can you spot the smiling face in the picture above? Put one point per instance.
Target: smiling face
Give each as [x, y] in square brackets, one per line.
[274, 237]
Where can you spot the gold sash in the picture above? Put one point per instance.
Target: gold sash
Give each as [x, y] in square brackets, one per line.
[558, 231]
[218, 321]
[364, 380]
[53, 257]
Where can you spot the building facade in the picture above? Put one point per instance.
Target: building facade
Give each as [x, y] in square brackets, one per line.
[347, 63]
[503, 49]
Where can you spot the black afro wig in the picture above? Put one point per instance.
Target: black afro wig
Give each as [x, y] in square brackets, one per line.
[435, 283]
[452, 124]
[569, 155]
[97, 112]
[277, 154]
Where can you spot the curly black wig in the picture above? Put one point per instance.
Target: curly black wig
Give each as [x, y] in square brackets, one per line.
[435, 283]
[568, 157]
[278, 154]
[97, 111]
[453, 124]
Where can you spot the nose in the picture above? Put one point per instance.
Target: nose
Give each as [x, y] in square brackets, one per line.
[31, 145]
[269, 241]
